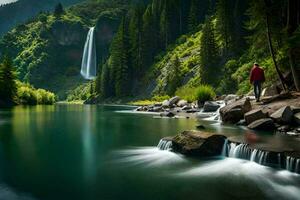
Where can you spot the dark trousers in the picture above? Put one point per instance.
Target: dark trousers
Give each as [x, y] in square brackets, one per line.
[257, 89]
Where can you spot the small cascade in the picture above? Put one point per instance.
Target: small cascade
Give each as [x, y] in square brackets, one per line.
[242, 151]
[89, 63]
[225, 148]
[292, 164]
[165, 145]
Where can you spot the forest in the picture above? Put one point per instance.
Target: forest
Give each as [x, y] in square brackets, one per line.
[157, 48]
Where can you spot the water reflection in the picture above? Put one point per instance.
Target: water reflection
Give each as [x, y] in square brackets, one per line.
[88, 143]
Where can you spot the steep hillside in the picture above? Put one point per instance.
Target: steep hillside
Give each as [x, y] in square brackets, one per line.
[19, 12]
[47, 51]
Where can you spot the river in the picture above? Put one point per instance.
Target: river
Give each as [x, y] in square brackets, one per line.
[95, 152]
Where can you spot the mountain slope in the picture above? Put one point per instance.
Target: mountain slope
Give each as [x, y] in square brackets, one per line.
[47, 51]
[19, 12]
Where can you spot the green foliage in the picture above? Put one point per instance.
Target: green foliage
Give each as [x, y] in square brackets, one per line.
[201, 93]
[81, 93]
[174, 76]
[58, 10]
[228, 84]
[188, 93]
[205, 93]
[28, 95]
[209, 55]
[7, 82]
[160, 98]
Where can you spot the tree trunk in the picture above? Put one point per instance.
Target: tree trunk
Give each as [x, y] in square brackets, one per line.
[292, 24]
[280, 76]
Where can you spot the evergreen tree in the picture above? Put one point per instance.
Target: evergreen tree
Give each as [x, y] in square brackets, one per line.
[174, 77]
[193, 20]
[105, 89]
[209, 55]
[58, 10]
[8, 86]
[136, 34]
[120, 61]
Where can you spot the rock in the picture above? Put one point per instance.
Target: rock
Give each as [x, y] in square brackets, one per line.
[210, 106]
[201, 144]
[142, 109]
[167, 114]
[182, 103]
[270, 91]
[234, 112]
[295, 109]
[174, 100]
[262, 124]
[241, 123]
[283, 115]
[192, 110]
[297, 118]
[155, 109]
[166, 104]
[158, 104]
[230, 97]
[186, 107]
[284, 129]
[200, 127]
[233, 116]
[254, 115]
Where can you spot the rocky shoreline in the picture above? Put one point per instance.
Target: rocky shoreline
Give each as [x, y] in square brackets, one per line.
[279, 113]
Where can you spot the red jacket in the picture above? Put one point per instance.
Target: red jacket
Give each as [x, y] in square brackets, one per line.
[257, 74]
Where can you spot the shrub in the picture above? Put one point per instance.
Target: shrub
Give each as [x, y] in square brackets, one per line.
[205, 93]
[187, 93]
[28, 95]
[157, 98]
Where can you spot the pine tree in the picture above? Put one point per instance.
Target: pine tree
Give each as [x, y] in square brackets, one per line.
[120, 61]
[58, 10]
[209, 54]
[136, 34]
[8, 86]
[105, 89]
[193, 20]
[174, 76]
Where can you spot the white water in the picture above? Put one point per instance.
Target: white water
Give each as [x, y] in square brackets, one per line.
[164, 145]
[231, 173]
[89, 63]
[292, 164]
[243, 151]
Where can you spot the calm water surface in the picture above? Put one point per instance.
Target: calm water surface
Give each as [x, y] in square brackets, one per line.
[94, 152]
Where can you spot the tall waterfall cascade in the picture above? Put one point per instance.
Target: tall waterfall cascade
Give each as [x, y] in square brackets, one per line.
[89, 62]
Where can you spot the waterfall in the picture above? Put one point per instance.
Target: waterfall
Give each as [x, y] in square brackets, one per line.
[225, 148]
[165, 145]
[292, 164]
[89, 63]
[243, 151]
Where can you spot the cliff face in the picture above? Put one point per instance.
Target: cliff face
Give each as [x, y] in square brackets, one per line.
[47, 51]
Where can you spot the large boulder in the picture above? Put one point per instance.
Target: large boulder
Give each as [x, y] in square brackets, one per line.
[196, 143]
[210, 106]
[234, 112]
[174, 100]
[266, 124]
[182, 103]
[166, 104]
[254, 115]
[297, 118]
[283, 115]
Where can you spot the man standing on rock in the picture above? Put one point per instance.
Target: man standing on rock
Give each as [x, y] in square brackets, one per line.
[257, 77]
